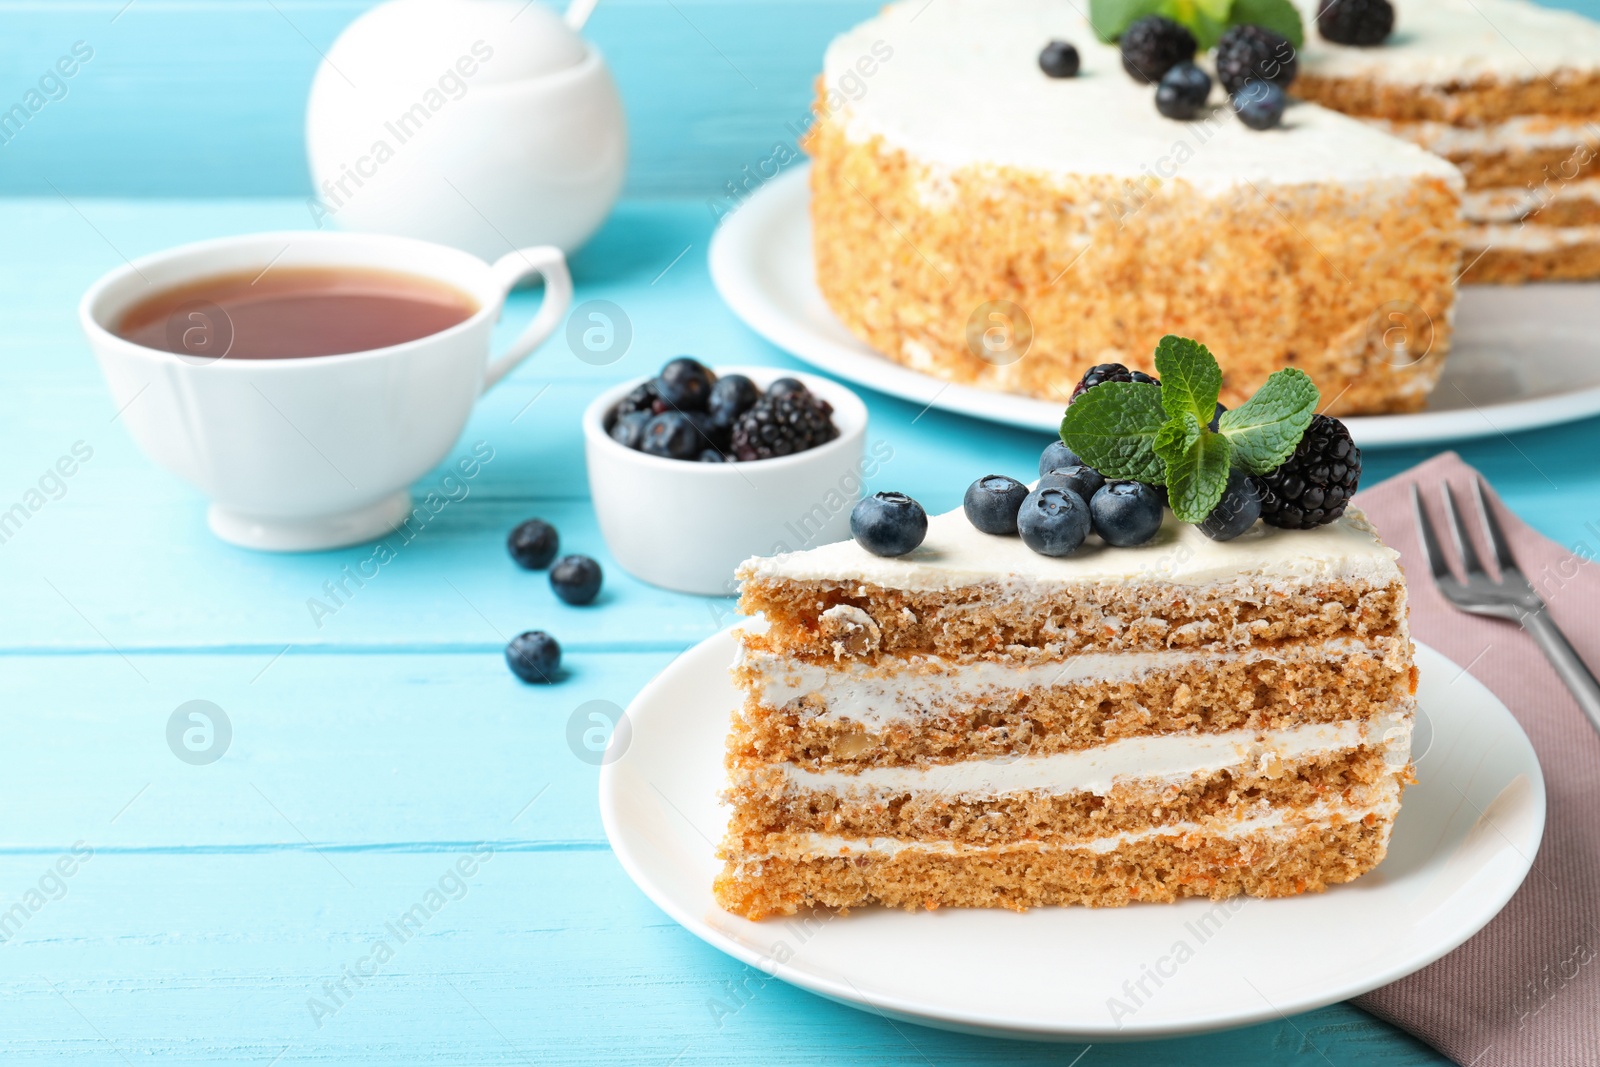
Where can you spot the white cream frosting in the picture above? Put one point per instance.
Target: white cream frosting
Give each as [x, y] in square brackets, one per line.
[1446, 42]
[873, 696]
[1511, 205]
[1282, 820]
[1529, 238]
[962, 89]
[1523, 133]
[1135, 760]
[956, 554]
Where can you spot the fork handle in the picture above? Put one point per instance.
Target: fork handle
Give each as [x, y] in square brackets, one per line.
[1565, 660]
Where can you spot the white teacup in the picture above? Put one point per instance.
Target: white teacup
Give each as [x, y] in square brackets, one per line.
[312, 453]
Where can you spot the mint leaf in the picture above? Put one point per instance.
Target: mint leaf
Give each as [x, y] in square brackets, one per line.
[1197, 478]
[1110, 17]
[1175, 438]
[1266, 428]
[1279, 16]
[1206, 19]
[1190, 378]
[1113, 428]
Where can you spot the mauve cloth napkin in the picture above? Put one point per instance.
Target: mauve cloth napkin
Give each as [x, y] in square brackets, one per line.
[1524, 992]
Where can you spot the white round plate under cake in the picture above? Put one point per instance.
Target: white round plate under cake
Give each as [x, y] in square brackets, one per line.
[1464, 840]
[1522, 356]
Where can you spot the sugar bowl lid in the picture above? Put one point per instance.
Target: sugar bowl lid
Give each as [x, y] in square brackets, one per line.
[490, 41]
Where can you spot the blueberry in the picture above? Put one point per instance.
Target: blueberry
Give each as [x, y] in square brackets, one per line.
[1059, 60]
[1125, 514]
[708, 433]
[685, 384]
[1057, 455]
[1081, 479]
[535, 657]
[628, 430]
[671, 434]
[1183, 91]
[888, 524]
[1216, 417]
[1237, 511]
[1260, 104]
[785, 386]
[576, 579]
[533, 544]
[1053, 522]
[711, 455]
[992, 501]
[732, 396]
[1159, 490]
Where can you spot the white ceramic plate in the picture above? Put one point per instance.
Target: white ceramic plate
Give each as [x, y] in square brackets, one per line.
[1523, 356]
[1464, 840]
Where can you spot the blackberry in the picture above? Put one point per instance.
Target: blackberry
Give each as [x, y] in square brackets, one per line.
[1312, 486]
[1357, 22]
[1182, 92]
[642, 398]
[1108, 372]
[1059, 60]
[782, 424]
[1247, 52]
[1154, 45]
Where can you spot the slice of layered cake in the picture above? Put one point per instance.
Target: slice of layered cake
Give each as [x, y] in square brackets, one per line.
[1507, 90]
[998, 211]
[999, 708]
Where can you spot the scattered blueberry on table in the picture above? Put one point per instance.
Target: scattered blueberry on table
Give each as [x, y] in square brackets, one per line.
[576, 579]
[533, 544]
[687, 412]
[535, 657]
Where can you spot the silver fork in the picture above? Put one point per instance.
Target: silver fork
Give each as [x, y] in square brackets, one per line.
[1510, 598]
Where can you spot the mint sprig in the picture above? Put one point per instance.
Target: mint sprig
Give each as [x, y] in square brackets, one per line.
[1206, 19]
[1113, 428]
[1162, 434]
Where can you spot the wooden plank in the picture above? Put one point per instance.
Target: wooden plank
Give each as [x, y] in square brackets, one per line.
[549, 958]
[208, 99]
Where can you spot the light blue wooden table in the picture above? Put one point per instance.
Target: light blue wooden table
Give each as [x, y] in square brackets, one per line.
[224, 913]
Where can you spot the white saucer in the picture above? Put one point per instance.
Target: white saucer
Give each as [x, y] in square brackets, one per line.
[1465, 839]
[1522, 356]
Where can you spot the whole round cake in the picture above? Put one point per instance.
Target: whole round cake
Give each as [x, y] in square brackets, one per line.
[997, 213]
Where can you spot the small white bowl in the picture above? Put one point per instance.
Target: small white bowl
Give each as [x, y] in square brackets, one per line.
[685, 526]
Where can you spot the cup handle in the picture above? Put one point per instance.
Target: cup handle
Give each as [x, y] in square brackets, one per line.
[510, 269]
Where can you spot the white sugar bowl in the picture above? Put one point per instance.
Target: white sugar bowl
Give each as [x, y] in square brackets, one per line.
[484, 124]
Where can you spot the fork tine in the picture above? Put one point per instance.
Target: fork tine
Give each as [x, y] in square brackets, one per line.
[1492, 533]
[1458, 533]
[1428, 539]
